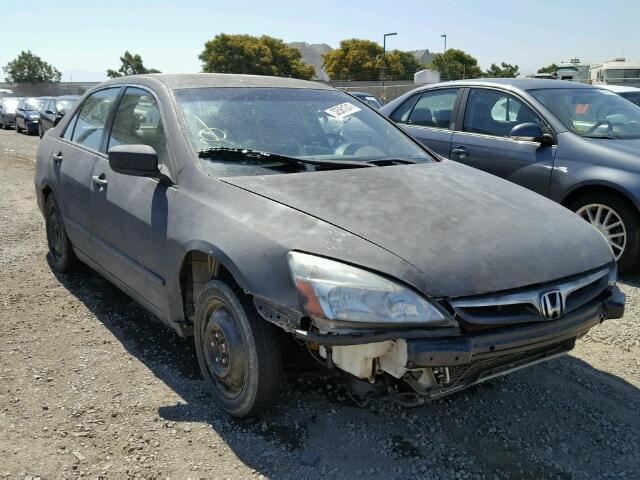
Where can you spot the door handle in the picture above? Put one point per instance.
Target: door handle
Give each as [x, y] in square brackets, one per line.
[57, 158]
[100, 181]
[462, 152]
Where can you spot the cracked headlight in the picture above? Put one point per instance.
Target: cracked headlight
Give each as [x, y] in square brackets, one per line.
[350, 296]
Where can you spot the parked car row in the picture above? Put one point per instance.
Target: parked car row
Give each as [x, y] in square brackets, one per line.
[34, 114]
[238, 208]
[574, 143]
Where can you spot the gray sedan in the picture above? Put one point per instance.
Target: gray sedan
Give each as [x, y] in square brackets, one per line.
[240, 208]
[573, 143]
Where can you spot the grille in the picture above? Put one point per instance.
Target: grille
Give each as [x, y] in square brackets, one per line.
[463, 374]
[525, 305]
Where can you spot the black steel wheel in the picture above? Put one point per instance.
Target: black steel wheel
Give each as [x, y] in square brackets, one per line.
[61, 255]
[238, 352]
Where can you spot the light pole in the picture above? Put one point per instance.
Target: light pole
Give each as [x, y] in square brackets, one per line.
[444, 35]
[384, 53]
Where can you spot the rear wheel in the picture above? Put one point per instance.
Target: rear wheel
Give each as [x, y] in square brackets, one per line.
[61, 253]
[238, 352]
[617, 221]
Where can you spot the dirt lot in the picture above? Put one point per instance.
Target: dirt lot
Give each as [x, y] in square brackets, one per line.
[90, 385]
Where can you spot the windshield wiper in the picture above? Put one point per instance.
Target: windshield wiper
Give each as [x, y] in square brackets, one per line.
[384, 162]
[232, 154]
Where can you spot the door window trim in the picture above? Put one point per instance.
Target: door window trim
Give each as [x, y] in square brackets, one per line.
[463, 110]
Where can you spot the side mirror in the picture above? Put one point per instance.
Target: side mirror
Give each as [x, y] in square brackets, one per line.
[530, 132]
[48, 112]
[61, 113]
[136, 160]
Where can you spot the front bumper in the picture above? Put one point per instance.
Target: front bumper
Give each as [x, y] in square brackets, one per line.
[9, 120]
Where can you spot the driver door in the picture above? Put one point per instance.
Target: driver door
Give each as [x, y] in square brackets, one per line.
[484, 141]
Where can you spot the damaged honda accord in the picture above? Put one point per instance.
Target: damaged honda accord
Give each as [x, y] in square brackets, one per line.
[236, 208]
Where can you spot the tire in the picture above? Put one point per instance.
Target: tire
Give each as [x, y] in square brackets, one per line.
[628, 256]
[238, 352]
[61, 255]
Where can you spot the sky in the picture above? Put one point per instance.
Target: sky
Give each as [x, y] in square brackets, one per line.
[82, 38]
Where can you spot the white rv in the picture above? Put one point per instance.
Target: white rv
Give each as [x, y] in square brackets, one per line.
[616, 72]
[573, 71]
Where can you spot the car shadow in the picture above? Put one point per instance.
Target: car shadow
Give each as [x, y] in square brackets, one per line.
[316, 430]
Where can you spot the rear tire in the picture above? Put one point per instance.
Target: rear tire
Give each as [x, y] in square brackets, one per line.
[628, 256]
[61, 255]
[238, 352]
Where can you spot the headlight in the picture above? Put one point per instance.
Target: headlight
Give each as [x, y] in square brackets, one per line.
[351, 296]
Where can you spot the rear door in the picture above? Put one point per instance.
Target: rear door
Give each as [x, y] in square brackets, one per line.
[47, 115]
[483, 141]
[129, 213]
[428, 117]
[73, 158]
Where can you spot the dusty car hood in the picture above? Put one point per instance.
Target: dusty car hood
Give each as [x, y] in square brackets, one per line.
[468, 231]
[630, 146]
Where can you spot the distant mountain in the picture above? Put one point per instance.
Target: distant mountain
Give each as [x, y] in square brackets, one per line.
[312, 54]
[423, 56]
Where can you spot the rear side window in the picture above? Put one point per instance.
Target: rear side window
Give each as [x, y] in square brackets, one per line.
[434, 109]
[89, 123]
[401, 115]
[491, 112]
[138, 122]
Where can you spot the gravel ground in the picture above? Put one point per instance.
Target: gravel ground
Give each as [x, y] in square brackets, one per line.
[90, 385]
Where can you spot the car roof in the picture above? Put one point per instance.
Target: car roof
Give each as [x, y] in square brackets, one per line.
[515, 83]
[203, 80]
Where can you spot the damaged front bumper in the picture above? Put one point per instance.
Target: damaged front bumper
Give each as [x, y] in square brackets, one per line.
[441, 362]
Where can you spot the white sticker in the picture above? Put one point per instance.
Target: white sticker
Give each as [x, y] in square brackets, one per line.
[343, 110]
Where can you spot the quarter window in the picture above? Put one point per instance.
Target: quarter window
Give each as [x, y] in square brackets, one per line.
[491, 112]
[434, 109]
[138, 122]
[88, 124]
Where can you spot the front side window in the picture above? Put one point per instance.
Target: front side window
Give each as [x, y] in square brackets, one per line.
[137, 122]
[88, 124]
[491, 112]
[592, 112]
[307, 124]
[434, 109]
[632, 97]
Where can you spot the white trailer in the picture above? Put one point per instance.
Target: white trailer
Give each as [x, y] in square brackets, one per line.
[426, 77]
[616, 72]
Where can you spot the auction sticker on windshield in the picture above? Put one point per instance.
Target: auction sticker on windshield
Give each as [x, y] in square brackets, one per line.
[343, 110]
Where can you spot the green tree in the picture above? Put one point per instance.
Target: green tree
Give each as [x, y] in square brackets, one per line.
[254, 55]
[506, 70]
[358, 59]
[28, 67]
[131, 65]
[455, 64]
[548, 69]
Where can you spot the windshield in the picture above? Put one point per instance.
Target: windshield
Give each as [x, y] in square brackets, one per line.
[32, 104]
[10, 103]
[323, 125]
[65, 104]
[592, 112]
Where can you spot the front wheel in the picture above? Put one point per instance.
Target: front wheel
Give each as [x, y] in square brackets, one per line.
[238, 352]
[617, 221]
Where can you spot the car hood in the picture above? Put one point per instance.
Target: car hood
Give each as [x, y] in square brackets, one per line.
[469, 232]
[630, 146]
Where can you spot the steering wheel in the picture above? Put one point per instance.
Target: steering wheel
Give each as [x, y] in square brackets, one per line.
[599, 124]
